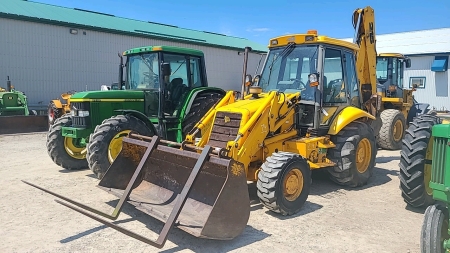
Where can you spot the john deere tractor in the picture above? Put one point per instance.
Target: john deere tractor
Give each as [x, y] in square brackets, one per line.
[12, 101]
[165, 94]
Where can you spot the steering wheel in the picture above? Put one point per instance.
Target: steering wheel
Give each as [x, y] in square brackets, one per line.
[301, 85]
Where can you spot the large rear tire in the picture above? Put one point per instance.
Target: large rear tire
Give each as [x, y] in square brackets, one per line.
[202, 103]
[392, 130]
[284, 183]
[64, 151]
[53, 113]
[434, 229]
[415, 161]
[354, 155]
[105, 143]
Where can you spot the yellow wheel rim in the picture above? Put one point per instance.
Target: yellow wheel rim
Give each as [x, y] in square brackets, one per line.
[363, 155]
[398, 130]
[427, 167]
[73, 149]
[115, 146]
[293, 184]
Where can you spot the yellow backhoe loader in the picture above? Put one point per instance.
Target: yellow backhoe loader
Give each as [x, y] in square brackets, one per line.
[398, 107]
[314, 106]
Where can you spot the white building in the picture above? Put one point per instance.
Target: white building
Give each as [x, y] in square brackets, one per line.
[429, 51]
[47, 50]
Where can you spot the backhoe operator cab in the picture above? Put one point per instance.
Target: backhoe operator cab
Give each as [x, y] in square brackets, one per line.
[390, 69]
[323, 70]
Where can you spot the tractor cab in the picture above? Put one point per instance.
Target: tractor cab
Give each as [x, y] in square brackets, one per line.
[390, 69]
[321, 69]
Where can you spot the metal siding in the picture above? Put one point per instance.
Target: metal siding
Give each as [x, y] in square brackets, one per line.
[46, 60]
[414, 42]
[436, 92]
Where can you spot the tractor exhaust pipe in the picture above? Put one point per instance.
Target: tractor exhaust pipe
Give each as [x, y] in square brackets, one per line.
[244, 72]
[120, 71]
[8, 85]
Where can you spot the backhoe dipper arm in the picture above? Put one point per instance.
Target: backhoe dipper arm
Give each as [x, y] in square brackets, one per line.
[364, 24]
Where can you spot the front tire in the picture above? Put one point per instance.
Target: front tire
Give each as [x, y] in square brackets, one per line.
[284, 183]
[105, 143]
[415, 161]
[64, 151]
[354, 155]
[392, 130]
[434, 229]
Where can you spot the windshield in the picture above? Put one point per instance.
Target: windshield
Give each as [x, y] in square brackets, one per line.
[288, 70]
[143, 71]
[382, 68]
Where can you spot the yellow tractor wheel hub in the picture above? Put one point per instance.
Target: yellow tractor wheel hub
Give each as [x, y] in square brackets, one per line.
[293, 184]
[398, 130]
[363, 155]
[115, 146]
[73, 150]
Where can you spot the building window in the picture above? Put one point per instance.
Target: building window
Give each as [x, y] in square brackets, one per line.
[419, 80]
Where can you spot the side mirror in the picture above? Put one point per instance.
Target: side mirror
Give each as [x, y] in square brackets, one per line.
[166, 69]
[408, 63]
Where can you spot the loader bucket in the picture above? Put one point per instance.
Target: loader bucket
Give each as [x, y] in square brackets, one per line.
[217, 206]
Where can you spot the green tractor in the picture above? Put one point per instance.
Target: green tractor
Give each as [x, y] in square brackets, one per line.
[165, 93]
[416, 159]
[435, 236]
[13, 102]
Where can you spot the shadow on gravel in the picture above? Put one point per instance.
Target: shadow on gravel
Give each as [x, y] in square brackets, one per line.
[420, 210]
[180, 238]
[387, 159]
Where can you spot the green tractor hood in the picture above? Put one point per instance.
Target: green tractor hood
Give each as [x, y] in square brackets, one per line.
[107, 96]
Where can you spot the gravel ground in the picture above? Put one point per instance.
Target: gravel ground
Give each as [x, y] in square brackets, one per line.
[373, 218]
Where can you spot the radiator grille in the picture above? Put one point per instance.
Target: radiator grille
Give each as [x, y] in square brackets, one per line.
[439, 160]
[225, 128]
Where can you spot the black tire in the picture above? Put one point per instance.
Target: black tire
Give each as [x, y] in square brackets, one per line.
[270, 182]
[202, 103]
[99, 141]
[386, 138]
[56, 149]
[53, 113]
[434, 229]
[345, 155]
[413, 160]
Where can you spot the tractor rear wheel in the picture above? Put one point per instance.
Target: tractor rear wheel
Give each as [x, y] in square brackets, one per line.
[66, 152]
[392, 130]
[53, 113]
[201, 105]
[434, 229]
[284, 183]
[354, 155]
[415, 161]
[105, 143]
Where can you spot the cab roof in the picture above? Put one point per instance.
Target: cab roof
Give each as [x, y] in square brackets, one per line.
[310, 37]
[170, 49]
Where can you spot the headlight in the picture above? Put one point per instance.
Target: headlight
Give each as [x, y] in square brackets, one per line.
[83, 113]
[72, 113]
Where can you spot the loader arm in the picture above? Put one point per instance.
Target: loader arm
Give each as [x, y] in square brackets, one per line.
[364, 24]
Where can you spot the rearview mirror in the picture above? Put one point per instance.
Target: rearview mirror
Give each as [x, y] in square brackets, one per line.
[166, 69]
[408, 63]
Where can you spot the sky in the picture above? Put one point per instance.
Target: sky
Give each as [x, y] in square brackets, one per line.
[259, 21]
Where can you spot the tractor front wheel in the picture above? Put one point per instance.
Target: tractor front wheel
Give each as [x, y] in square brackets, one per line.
[392, 130]
[66, 152]
[284, 183]
[105, 143]
[434, 229]
[354, 155]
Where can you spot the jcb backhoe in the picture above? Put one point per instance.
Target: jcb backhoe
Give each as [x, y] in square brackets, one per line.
[398, 107]
[314, 106]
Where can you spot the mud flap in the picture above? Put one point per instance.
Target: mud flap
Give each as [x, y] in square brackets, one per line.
[200, 193]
